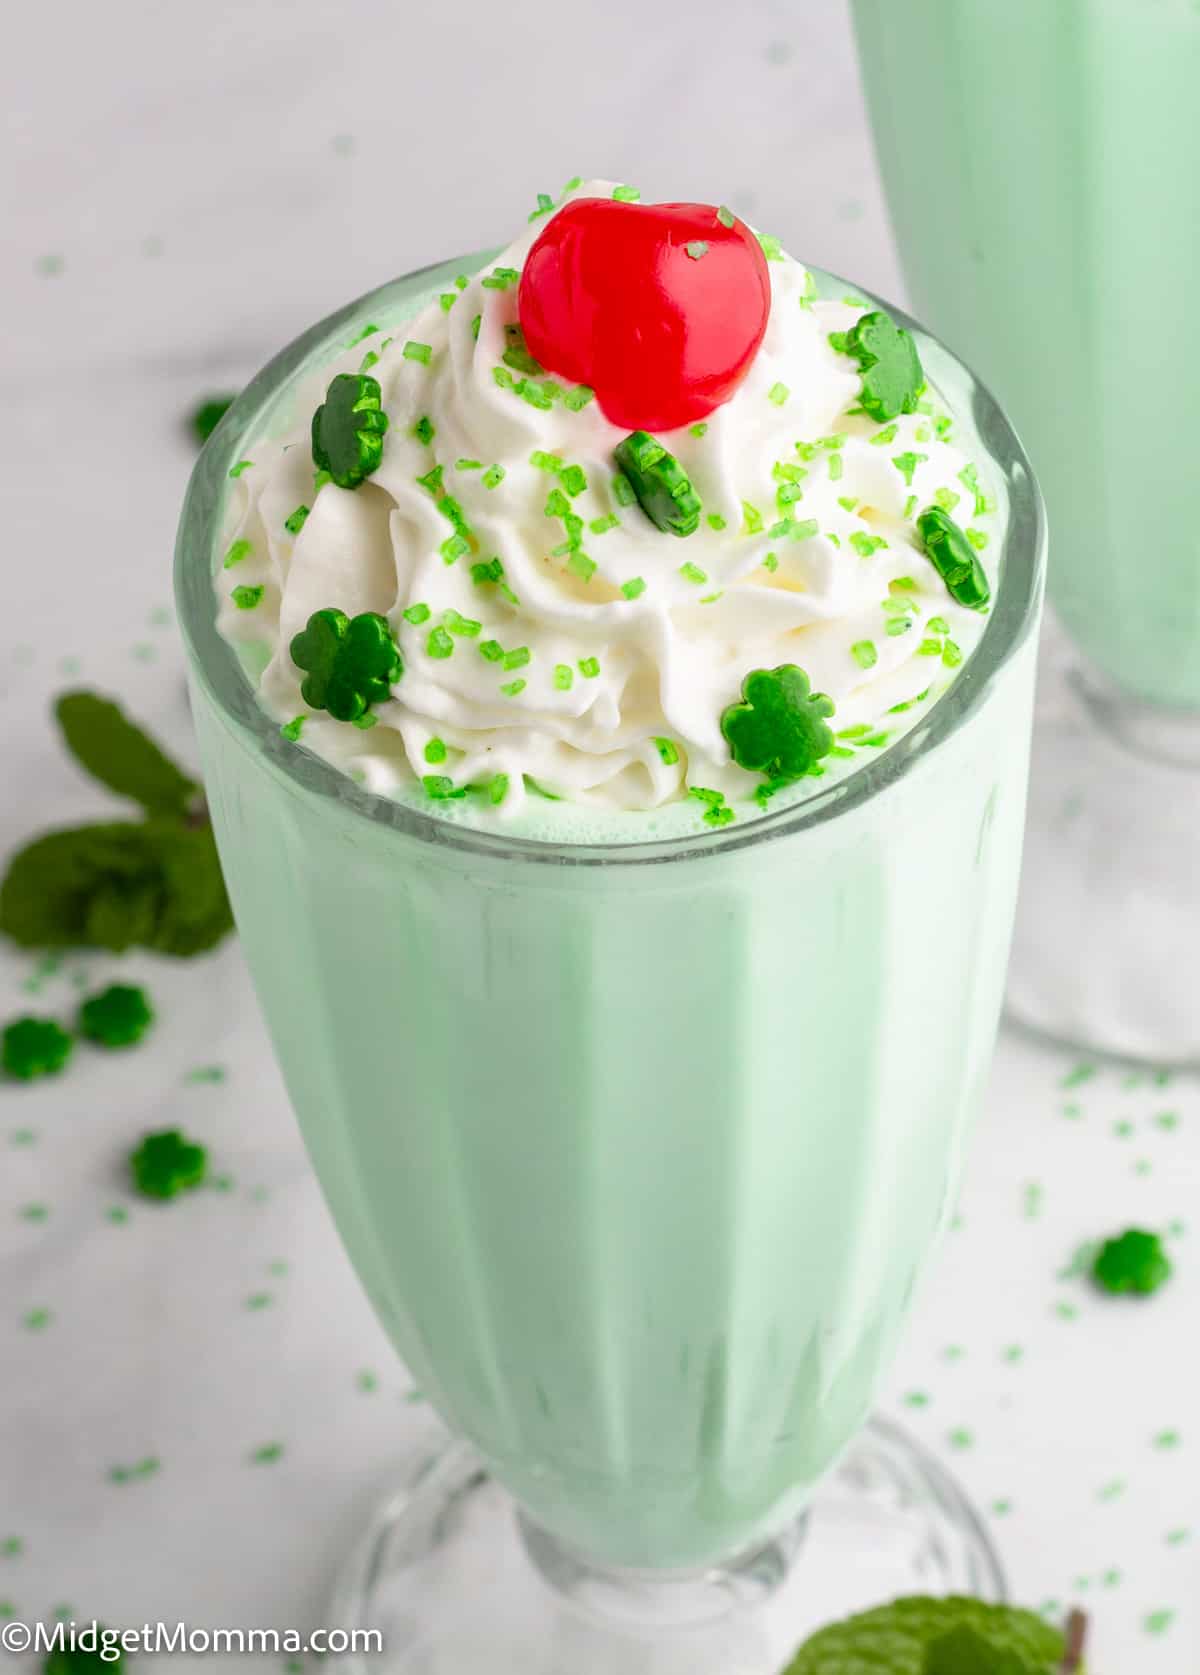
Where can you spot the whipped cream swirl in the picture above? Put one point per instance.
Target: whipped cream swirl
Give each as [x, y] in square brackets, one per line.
[600, 674]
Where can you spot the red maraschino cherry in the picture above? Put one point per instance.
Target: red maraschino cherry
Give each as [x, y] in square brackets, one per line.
[660, 308]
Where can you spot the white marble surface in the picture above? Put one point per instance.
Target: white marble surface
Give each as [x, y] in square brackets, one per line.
[187, 188]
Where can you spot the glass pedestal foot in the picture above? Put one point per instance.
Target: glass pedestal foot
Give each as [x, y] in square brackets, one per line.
[1109, 914]
[455, 1581]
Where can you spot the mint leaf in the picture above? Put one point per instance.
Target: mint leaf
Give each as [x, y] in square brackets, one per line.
[897, 1639]
[153, 885]
[964, 1651]
[115, 751]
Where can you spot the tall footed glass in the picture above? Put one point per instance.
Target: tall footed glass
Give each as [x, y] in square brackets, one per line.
[638, 1148]
[1038, 164]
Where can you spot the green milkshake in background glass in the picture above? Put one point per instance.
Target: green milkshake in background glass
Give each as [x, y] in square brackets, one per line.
[1038, 163]
[623, 832]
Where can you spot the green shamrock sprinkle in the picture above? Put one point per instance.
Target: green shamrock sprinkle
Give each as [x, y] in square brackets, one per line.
[892, 378]
[953, 557]
[348, 429]
[1133, 1262]
[166, 1164]
[118, 1016]
[33, 1047]
[778, 729]
[659, 483]
[922, 1636]
[349, 663]
[207, 415]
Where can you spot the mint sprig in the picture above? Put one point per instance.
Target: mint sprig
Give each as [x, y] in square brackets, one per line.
[925, 1636]
[152, 883]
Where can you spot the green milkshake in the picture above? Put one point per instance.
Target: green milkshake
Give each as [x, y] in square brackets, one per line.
[1036, 158]
[633, 939]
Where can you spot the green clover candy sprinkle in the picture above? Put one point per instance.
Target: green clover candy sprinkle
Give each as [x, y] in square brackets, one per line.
[779, 727]
[116, 1017]
[34, 1047]
[166, 1164]
[1136, 1261]
[350, 663]
[663, 489]
[954, 558]
[892, 378]
[348, 429]
[919, 1636]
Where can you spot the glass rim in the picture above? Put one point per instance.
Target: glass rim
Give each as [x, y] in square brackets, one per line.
[215, 664]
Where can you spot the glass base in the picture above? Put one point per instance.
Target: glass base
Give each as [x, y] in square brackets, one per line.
[1109, 913]
[456, 1580]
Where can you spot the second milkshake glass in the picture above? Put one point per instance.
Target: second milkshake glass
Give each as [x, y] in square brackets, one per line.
[638, 1149]
[1039, 161]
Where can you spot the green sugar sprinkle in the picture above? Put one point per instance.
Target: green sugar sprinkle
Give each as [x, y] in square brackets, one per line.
[296, 520]
[771, 563]
[848, 501]
[453, 547]
[492, 650]
[622, 489]
[545, 204]
[461, 281]
[910, 506]
[771, 247]
[448, 300]
[626, 194]
[882, 437]
[291, 729]
[725, 216]
[752, 521]
[589, 667]
[938, 625]
[500, 279]
[906, 464]
[497, 788]
[242, 465]
[513, 688]
[367, 362]
[493, 476]
[564, 677]
[666, 749]
[487, 570]
[417, 352]
[700, 429]
[601, 526]
[865, 545]
[864, 653]
[439, 644]
[692, 573]
[463, 625]
[416, 614]
[778, 393]
[468, 465]
[787, 494]
[542, 461]
[424, 430]
[696, 248]
[441, 787]
[951, 655]
[634, 588]
[835, 468]
[946, 499]
[977, 538]
[579, 564]
[238, 551]
[573, 479]
[475, 325]
[578, 397]
[368, 330]
[516, 353]
[715, 521]
[517, 658]
[246, 598]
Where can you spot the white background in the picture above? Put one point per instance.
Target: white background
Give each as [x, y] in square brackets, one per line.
[185, 188]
